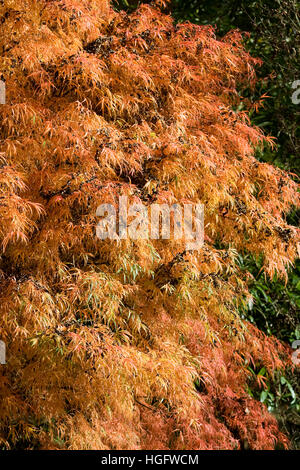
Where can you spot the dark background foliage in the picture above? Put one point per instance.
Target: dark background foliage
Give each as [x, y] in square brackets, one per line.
[274, 26]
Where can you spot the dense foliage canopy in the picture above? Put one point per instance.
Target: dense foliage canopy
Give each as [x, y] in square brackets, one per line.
[131, 344]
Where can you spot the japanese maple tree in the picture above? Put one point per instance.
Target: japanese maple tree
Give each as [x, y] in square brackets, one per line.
[131, 344]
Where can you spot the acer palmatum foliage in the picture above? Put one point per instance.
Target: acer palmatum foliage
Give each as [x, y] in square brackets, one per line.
[130, 344]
